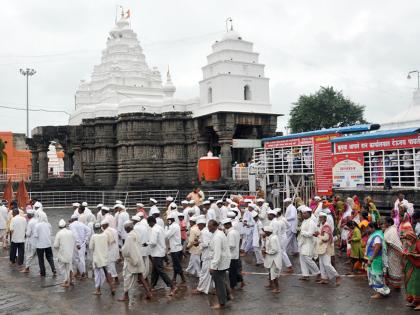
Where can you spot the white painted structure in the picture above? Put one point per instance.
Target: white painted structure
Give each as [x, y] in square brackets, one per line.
[407, 118]
[233, 81]
[55, 163]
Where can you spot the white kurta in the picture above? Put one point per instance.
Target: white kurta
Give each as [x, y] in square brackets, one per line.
[99, 246]
[272, 259]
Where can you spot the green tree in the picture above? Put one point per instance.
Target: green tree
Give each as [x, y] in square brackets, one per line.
[326, 108]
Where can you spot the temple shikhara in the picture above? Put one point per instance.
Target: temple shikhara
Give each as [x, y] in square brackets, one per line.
[130, 130]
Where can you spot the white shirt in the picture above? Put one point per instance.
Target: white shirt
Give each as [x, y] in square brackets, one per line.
[234, 239]
[157, 242]
[173, 235]
[205, 238]
[219, 251]
[81, 232]
[122, 218]
[30, 231]
[64, 244]
[143, 232]
[3, 217]
[42, 235]
[113, 250]
[18, 227]
[211, 215]
[306, 240]
[160, 222]
[99, 246]
[291, 217]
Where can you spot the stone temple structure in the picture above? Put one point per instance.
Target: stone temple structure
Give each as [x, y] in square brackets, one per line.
[129, 131]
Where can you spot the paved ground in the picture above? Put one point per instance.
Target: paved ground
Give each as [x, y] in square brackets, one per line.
[28, 294]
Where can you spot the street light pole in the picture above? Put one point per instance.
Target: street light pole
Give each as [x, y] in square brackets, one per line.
[27, 72]
[418, 77]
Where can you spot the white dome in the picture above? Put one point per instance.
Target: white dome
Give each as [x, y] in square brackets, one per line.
[231, 35]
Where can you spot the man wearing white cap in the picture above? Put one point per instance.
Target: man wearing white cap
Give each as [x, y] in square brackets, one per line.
[211, 212]
[306, 242]
[4, 213]
[108, 217]
[64, 244]
[99, 246]
[173, 235]
[318, 206]
[140, 208]
[204, 281]
[30, 248]
[223, 209]
[17, 240]
[262, 208]
[219, 263]
[143, 233]
[281, 230]
[324, 250]
[168, 202]
[291, 217]
[215, 207]
[248, 224]
[99, 215]
[154, 212]
[133, 262]
[81, 235]
[272, 260]
[122, 217]
[193, 247]
[157, 252]
[256, 238]
[42, 237]
[194, 206]
[113, 250]
[173, 209]
[234, 239]
[185, 208]
[89, 215]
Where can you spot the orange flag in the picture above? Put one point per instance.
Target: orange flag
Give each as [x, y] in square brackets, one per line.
[8, 191]
[22, 195]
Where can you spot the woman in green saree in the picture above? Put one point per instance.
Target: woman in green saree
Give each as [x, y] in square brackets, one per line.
[377, 261]
[412, 269]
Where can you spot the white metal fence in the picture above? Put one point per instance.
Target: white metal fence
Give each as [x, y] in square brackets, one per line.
[62, 199]
[240, 173]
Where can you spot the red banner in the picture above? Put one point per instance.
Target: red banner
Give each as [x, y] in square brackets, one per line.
[323, 164]
[288, 143]
[412, 141]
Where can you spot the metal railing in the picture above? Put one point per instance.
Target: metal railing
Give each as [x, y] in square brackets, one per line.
[14, 177]
[240, 173]
[64, 199]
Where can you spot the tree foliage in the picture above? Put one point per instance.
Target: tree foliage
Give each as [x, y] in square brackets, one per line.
[326, 108]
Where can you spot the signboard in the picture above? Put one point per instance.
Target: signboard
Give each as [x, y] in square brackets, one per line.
[348, 170]
[246, 143]
[379, 144]
[289, 143]
[323, 164]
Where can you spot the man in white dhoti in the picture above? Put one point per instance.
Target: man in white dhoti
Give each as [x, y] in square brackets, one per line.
[262, 209]
[223, 209]
[219, 253]
[133, 262]
[81, 234]
[143, 233]
[283, 227]
[324, 250]
[193, 246]
[272, 260]
[64, 244]
[30, 246]
[155, 212]
[256, 238]
[248, 224]
[99, 215]
[210, 211]
[4, 213]
[204, 281]
[306, 242]
[291, 216]
[42, 237]
[113, 250]
[122, 217]
[106, 215]
[99, 246]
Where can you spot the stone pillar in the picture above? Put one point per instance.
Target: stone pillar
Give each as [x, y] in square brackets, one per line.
[77, 159]
[35, 164]
[226, 157]
[43, 164]
[68, 163]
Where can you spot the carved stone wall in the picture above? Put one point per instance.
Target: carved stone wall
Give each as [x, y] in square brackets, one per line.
[144, 151]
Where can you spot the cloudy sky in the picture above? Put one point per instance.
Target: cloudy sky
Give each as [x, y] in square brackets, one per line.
[364, 48]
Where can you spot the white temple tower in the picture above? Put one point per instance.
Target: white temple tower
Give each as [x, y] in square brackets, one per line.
[233, 79]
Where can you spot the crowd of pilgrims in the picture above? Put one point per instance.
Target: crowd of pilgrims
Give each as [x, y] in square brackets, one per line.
[213, 235]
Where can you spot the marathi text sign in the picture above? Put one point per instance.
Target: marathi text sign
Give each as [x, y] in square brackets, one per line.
[348, 170]
[386, 144]
[296, 142]
[323, 164]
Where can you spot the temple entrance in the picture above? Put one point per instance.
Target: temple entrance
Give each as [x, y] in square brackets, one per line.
[55, 160]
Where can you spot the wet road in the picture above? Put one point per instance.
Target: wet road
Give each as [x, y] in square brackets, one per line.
[30, 294]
